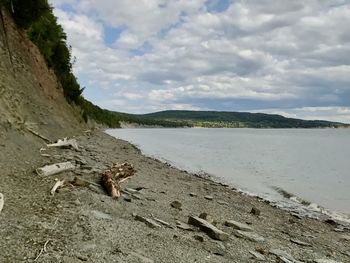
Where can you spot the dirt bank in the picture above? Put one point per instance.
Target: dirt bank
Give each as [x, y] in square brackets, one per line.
[83, 224]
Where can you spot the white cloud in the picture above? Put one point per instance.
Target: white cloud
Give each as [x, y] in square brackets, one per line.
[256, 55]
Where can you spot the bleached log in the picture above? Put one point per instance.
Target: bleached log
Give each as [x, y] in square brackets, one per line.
[55, 168]
[2, 201]
[57, 185]
[37, 134]
[65, 143]
[114, 176]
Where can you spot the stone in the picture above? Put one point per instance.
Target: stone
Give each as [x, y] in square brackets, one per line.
[176, 205]
[127, 198]
[162, 222]
[238, 225]
[255, 211]
[284, 256]
[208, 228]
[198, 238]
[209, 197]
[257, 255]
[101, 215]
[326, 261]
[249, 236]
[221, 202]
[193, 194]
[184, 226]
[300, 243]
[149, 222]
[206, 217]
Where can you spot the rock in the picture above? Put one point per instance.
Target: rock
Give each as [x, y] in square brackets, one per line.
[209, 197]
[208, 228]
[141, 257]
[184, 226]
[238, 225]
[80, 182]
[206, 217]
[255, 211]
[149, 222]
[300, 243]
[249, 235]
[326, 261]
[284, 256]
[162, 222]
[176, 205]
[199, 238]
[257, 255]
[193, 194]
[345, 238]
[127, 198]
[222, 202]
[101, 215]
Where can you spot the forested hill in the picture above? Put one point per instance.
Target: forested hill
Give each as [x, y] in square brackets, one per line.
[221, 119]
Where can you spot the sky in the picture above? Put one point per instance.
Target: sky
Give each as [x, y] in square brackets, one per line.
[285, 57]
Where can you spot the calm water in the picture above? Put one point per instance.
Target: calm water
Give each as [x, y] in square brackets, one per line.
[311, 164]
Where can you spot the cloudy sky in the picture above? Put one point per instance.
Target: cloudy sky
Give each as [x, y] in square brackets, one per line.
[287, 57]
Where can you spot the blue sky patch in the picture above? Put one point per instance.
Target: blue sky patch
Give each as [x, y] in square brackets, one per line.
[111, 34]
[218, 6]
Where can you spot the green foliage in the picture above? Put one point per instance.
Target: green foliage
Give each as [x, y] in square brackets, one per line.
[26, 12]
[215, 119]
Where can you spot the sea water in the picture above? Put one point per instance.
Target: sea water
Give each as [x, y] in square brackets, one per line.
[305, 169]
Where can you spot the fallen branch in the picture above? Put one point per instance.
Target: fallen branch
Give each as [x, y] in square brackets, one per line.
[2, 201]
[42, 250]
[114, 176]
[55, 168]
[57, 185]
[65, 143]
[38, 134]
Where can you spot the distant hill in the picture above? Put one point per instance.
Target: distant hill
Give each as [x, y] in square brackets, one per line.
[221, 119]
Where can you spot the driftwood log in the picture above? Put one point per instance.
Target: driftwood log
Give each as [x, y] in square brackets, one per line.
[65, 143]
[54, 168]
[114, 176]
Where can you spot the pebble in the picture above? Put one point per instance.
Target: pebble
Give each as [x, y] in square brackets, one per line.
[199, 238]
[209, 197]
[257, 255]
[249, 235]
[193, 194]
[255, 211]
[176, 205]
[238, 225]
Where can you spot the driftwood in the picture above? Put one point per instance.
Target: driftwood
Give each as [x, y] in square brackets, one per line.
[55, 168]
[65, 143]
[114, 176]
[57, 185]
[2, 201]
[37, 134]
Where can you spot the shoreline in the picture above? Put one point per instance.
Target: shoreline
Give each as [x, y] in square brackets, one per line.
[83, 223]
[292, 203]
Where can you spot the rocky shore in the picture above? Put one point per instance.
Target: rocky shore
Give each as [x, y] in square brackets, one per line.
[163, 215]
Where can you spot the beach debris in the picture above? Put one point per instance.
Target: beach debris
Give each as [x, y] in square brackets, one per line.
[300, 243]
[184, 226]
[2, 202]
[114, 176]
[38, 134]
[208, 228]
[249, 236]
[238, 225]
[42, 250]
[255, 211]
[176, 204]
[58, 184]
[258, 256]
[149, 222]
[284, 256]
[54, 168]
[65, 143]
